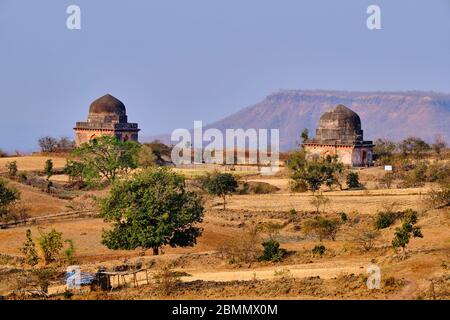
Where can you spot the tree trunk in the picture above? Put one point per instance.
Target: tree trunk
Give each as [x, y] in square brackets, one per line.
[224, 203]
[155, 251]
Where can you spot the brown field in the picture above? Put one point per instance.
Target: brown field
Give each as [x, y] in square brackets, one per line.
[337, 274]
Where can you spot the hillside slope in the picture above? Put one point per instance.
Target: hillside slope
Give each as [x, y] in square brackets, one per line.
[393, 115]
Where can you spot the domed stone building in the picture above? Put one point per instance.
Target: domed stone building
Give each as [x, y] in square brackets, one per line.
[107, 116]
[339, 133]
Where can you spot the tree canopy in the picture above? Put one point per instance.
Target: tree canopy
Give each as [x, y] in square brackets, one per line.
[220, 184]
[151, 209]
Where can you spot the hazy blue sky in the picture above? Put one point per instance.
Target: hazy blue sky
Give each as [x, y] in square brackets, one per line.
[174, 61]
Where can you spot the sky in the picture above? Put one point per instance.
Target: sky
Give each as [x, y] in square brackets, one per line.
[175, 61]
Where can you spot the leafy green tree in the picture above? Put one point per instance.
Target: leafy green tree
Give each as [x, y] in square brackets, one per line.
[69, 252]
[50, 244]
[12, 169]
[48, 169]
[221, 185]
[403, 234]
[304, 135]
[353, 180]
[313, 173]
[106, 158]
[8, 196]
[29, 250]
[150, 210]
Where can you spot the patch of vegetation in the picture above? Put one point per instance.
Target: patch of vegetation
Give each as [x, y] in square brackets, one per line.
[407, 230]
[353, 180]
[244, 248]
[220, 184]
[8, 196]
[322, 228]
[318, 250]
[151, 209]
[272, 251]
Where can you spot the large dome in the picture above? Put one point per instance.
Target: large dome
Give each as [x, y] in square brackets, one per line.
[108, 105]
[339, 124]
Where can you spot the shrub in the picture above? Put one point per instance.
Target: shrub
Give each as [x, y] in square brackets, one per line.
[166, 279]
[353, 180]
[403, 234]
[272, 251]
[322, 228]
[244, 248]
[44, 277]
[12, 169]
[439, 198]
[318, 249]
[343, 216]
[8, 196]
[384, 220]
[318, 201]
[29, 250]
[69, 252]
[365, 238]
[50, 244]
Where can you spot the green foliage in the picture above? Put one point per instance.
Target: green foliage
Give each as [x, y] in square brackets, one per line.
[439, 198]
[272, 251]
[353, 180]
[69, 252]
[322, 228]
[44, 277]
[146, 157]
[105, 158]
[12, 169]
[313, 173]
[318, 249]
[29, 250]
[50, 244]
[48, 169]
[385, 220]
[343, 216]
[403, 235]
[220, 184]
[304, 135]
[8, 196]
[387, 179]
[151, 209]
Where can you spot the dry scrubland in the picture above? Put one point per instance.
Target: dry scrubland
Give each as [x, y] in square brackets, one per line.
[206, 273]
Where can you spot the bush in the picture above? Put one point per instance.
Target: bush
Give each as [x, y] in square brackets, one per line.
[243, 248]
[69, 252]
[29, 250]
[439, 198]
[343, 216]
[8, 196]
[50, 245]
[403, 234]
[12, 169]
[318, 249]
[385, 220]
[353, 180]
[166, 279]
[365, 238]
[322, 228]
[272, 251]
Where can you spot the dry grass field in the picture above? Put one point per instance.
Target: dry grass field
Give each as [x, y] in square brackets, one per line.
[339, 273]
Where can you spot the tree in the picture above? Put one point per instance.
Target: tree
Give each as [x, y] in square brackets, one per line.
[221, 185]
[48, 144]
[365, 237]
[319, 201]
[313, 173]
[12, 169]
[403, 235]
[106, 157]
[387, 179]
[151, 209]
[414, 146]
[272, 251]
[8, 196]
[353, 180]
[29, 250]
[69, 252]
[50, 244]
[48, 169]
[384, 150]
[65, 144]
[146, 157]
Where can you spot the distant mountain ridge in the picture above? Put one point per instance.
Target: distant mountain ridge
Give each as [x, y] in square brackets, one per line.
[392, 115]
